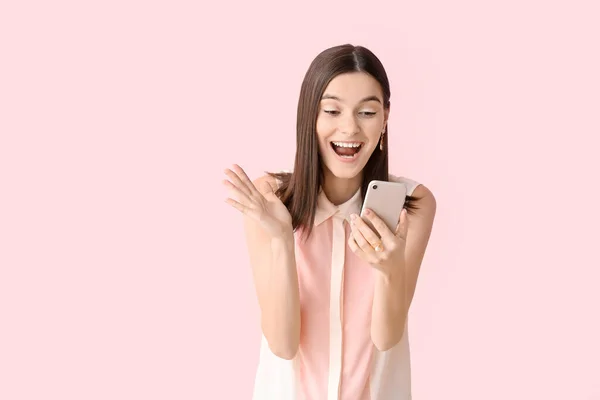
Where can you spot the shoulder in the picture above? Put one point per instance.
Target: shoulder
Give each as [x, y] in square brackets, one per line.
[411, 184]
[424, 197]
[426, 202]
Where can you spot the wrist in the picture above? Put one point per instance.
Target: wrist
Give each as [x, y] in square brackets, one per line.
[392, 276]
[285, 239]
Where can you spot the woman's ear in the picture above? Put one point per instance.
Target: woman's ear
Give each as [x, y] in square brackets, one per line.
[386, 114]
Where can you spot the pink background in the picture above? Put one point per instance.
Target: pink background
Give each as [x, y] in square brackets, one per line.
[123, 274]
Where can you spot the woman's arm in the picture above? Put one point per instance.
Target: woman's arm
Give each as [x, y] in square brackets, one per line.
[395, 290]
[273, 263]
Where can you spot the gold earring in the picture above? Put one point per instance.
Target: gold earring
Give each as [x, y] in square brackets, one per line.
[381, 142]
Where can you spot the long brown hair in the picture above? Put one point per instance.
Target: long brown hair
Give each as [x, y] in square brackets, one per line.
[299, 190]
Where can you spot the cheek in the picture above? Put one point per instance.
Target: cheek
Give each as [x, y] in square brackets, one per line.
[321, 136]
[372, 128]
[324, 128]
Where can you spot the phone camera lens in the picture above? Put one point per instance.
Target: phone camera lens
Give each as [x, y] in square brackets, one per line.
[374, 186]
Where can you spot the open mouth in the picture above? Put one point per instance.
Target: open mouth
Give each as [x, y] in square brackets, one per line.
[348, 150]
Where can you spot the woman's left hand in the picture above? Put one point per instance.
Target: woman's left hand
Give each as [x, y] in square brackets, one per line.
[387, 254]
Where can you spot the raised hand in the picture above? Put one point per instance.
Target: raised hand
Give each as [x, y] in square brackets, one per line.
[259, 203]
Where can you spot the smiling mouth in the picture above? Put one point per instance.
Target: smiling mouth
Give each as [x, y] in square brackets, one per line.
[346, 149]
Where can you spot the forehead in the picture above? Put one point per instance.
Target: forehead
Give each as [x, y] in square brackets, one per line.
[354, 86]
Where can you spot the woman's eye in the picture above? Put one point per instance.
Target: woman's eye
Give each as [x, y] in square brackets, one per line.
[363, 113]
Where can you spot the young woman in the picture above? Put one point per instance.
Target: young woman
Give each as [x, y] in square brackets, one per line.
[334, 297]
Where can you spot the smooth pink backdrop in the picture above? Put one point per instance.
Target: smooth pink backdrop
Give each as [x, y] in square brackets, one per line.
[123, 274]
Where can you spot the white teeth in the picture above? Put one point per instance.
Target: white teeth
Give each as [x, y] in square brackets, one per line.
[345, 144]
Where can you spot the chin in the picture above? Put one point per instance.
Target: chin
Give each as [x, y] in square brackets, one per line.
[344, 172]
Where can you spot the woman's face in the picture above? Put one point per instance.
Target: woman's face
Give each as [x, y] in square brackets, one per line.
[349, 123]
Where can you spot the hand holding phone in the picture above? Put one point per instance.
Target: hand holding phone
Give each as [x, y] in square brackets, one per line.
[386, 199]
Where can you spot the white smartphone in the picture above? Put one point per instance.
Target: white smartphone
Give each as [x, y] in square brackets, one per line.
[386, 199]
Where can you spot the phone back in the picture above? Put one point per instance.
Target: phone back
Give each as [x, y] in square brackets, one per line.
[386, 199]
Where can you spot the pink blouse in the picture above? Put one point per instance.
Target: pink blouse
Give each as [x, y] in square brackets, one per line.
[336, 359]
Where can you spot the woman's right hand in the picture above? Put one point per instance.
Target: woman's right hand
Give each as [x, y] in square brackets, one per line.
[261, 204]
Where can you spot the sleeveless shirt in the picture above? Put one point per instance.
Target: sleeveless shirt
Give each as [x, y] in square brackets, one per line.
[336, 359]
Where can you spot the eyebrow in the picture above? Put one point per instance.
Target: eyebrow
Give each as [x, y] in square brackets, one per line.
[368, 98]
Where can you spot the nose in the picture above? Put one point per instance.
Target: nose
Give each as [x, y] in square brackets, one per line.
[349, 125]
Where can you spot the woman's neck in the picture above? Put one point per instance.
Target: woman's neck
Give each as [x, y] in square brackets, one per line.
[340, 190]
